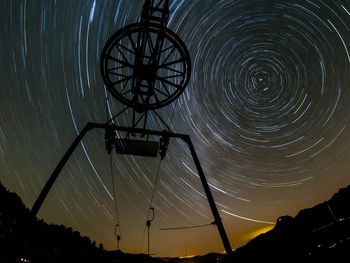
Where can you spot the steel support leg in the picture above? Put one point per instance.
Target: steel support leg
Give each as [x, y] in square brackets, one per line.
[39, 201]
[210, 198]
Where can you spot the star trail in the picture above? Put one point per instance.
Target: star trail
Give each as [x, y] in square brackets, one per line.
[267, 108]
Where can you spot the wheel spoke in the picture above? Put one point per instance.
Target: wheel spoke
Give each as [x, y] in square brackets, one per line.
[124, 87]
[156, 97]
[121, 53]
[166, 49]
[142, 100]
[150, 43]
[114, 71]
[166, 88]
[163, 93]
[116, 68]
[175, 70]
[132, 43]
[172, 62]
[124, 47]
[168, 82]
[173, 76]
[126, 92]
[157, 6]
[168, 56]
[119, 61]
[122, 80]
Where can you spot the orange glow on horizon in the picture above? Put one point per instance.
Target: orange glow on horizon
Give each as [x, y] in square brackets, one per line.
[190, 256]
[253, 234]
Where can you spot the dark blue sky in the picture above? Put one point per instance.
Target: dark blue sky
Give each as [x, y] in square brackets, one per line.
[267, 107]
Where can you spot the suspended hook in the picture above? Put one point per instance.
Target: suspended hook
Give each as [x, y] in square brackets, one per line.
[109, 138]
[148, 224]
[152, 217]
[117, 234]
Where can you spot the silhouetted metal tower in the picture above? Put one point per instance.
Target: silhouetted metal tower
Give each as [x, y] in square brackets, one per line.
[145, 66]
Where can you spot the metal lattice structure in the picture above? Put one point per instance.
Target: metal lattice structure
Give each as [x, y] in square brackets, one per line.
[145, 65]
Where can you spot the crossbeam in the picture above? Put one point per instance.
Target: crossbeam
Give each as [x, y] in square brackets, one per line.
[164, 134]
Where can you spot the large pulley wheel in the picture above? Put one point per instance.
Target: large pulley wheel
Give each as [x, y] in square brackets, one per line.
[145, 66]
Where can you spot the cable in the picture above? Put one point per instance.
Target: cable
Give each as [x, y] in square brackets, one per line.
[107, 111]
[152, 197]
[155, 184]
[172, 114]
[156, 179]
[185, 227]
[115, 201]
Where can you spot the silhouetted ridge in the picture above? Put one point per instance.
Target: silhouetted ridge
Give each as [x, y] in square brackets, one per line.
[24, 238]
[207, 258]
[318, 233]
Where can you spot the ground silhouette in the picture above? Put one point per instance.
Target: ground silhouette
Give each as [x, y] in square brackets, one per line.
[24, 238]
[320, 233]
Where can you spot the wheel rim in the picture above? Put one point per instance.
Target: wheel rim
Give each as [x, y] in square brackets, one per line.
[145, 66]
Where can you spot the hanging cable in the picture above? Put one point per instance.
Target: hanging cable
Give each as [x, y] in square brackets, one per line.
[148, 224]
[155, 184]
[117, 231]
[151, 208]
[118, 234]
[107, 106]
[186, 227]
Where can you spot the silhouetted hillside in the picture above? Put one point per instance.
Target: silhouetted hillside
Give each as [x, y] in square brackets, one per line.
[318, 233]
[24, 238]
[208, 258]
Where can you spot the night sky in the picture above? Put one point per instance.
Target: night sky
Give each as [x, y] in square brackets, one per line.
[267, 108]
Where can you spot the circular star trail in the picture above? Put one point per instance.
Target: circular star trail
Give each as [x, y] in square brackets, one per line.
[266, 108]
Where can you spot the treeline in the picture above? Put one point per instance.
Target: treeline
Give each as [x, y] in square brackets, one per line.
[24, 238]
[321, 233]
